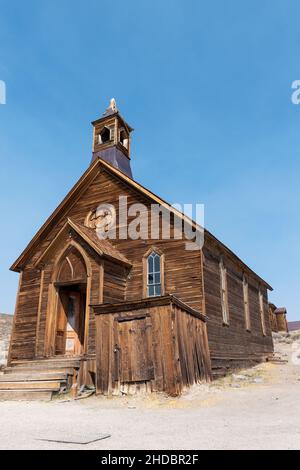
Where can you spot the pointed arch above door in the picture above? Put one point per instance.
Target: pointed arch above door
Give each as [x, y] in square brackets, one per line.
[71, 266]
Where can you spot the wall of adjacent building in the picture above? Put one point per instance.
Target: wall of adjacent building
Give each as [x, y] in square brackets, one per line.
[5, 331]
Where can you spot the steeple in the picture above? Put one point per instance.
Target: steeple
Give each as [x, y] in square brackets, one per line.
[111, 139]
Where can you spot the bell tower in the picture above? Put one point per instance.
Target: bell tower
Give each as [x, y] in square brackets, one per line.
[111, 139]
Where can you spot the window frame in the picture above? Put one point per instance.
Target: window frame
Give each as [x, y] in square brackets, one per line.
[246, 303]
[262, 312]
[100, 141]
[146, 273]
[224, 293]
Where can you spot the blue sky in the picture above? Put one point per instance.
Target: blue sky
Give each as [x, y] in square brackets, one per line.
[205, 84]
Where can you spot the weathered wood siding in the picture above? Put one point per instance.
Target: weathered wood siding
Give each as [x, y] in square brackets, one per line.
[25, 321]
[193, 349]
[183, 274]
[114, 284]
[232, 343]
[153, 348]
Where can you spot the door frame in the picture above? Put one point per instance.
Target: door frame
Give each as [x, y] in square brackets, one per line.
[81, 290]
[53, 300]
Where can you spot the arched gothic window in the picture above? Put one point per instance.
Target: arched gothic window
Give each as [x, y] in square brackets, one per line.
[154, 275]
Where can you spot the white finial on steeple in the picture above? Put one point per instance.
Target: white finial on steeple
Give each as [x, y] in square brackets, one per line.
[113, 105]
[112, 108]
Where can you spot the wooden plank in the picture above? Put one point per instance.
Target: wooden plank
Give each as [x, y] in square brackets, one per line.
[31, 385]
[41, 376]
[156, 346]
[169, 371]
[39, 311]
[9, 356]
[25, 395]
[104, 353]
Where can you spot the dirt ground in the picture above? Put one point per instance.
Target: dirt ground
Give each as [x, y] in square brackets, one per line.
[257, 408]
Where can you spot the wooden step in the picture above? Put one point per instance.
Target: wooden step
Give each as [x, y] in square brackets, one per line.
[25, 395]
[46, 364]
[28, 370]
[34, 375]
[42, 385]
[37, 379]
[58, 359]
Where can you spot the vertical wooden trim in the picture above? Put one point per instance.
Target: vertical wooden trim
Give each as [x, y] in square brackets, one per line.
[51, 320]
[226, 296]
[87, 315]
[246, 303]
[168, 352]
[177, 365]
[55, 319]
[145, 275]
[116, 131]
[14, 319]
[202, 261]
[94, 141]
[162, 273]
[110, 353]
[224, 292]
[101, 283]
[39, 312]
[104, 353]
[129, 144]
[262, 313]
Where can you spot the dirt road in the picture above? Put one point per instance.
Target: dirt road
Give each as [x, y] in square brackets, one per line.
[256, 409]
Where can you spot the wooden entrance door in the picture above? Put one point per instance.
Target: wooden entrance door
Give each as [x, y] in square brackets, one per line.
[135, 349]
[70, 323]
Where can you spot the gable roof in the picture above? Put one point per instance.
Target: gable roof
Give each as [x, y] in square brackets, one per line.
[102, 247]
[81, 186]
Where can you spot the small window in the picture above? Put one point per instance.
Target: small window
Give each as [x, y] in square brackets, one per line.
[262, 313]
[154, 275]
[246, 304]
[224, 293]
[124, 138]
[104, 135]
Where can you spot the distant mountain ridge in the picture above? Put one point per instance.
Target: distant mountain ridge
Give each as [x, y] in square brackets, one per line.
[294, 325]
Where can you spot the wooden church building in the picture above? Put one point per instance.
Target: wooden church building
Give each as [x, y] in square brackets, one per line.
[128, 313]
